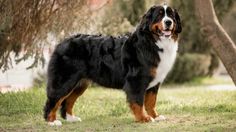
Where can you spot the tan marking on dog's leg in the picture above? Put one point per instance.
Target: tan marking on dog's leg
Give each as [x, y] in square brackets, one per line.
[52, 115]
[150, 103]
[70, 101]
[139, 113]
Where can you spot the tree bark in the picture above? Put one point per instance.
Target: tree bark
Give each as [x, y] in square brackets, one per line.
[217, 37]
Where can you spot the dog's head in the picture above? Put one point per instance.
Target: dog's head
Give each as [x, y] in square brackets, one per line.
[161, 21]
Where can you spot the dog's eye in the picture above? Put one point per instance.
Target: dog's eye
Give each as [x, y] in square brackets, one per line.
[160, 12]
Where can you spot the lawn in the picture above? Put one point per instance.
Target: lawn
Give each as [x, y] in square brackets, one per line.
[187, 108]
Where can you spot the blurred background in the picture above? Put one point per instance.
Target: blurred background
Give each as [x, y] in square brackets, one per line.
[29, 30]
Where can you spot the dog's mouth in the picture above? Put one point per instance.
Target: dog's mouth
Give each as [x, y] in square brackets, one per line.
[165, 33]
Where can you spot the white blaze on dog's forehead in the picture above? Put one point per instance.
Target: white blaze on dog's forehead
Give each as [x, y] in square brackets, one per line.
[165, 18]
[165, 7]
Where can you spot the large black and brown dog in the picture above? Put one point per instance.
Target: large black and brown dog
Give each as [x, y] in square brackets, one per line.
[137, 63]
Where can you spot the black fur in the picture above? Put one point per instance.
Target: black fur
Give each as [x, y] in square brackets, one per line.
[118, 62]
[178, 22]
[63, 109]
[154, 89]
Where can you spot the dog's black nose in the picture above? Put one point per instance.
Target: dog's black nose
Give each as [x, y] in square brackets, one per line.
[168, 23]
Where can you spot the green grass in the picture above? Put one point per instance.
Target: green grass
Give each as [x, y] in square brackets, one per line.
[187, 109]
[203, 81]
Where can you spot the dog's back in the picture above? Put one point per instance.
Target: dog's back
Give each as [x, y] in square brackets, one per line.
[93, 57]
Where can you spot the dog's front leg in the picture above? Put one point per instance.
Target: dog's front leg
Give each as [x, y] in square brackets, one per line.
[135, 90]
[150, 103]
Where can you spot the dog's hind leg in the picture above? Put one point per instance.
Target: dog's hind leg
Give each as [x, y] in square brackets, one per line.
[68, 103]
[57, 92]
[51, 108]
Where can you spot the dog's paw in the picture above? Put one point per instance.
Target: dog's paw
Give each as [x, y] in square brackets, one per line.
[55, 123]
[72, 118]
[160, 118]
[152, 120]
[145, 119]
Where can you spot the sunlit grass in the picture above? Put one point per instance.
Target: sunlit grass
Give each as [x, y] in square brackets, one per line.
[205, 81]
[210, 80]
[192, 108]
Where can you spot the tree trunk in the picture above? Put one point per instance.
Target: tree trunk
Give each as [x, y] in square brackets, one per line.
[217, 37]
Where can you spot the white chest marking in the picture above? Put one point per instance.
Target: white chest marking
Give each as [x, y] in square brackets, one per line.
[167, 59]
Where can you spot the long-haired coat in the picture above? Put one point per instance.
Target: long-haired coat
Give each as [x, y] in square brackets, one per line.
[137, 63]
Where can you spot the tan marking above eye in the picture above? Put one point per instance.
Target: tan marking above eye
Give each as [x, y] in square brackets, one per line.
[160, 11]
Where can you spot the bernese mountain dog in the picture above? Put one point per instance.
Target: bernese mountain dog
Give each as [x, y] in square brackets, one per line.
[137, 63]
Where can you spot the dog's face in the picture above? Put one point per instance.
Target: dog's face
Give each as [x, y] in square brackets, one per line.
[162, 21]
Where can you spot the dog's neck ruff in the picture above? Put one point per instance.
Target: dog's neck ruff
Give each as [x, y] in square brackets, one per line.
[167, 59]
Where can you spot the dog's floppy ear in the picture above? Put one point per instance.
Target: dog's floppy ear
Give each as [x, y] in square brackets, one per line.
[147, 19]
[178, 27]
